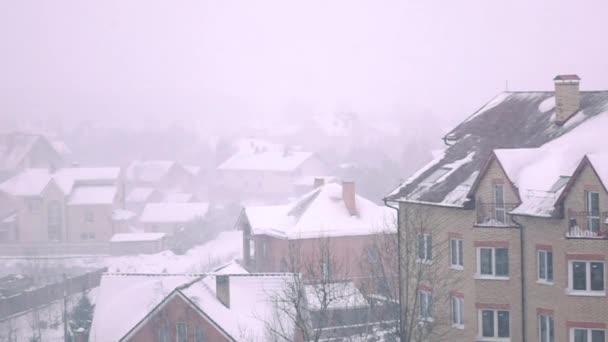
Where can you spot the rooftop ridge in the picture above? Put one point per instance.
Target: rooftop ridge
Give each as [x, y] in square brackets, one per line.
[201, 275]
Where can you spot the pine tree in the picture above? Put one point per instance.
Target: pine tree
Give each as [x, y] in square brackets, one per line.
[82, 315]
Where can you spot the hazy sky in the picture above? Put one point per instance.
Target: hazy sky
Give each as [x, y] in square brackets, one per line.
[171, 58]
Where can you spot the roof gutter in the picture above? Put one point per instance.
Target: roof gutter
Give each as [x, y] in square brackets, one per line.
[523, 276]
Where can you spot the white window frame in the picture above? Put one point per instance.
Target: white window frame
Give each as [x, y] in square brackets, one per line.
[177, 336]
[493, 276]
[500, 209]
[427, 247]
[550, 324]
[540, 278]
[590, 217]
[423, 297]
[457, 305]
[588, 291]
[589, 332]
[459, 263]
[495, 319]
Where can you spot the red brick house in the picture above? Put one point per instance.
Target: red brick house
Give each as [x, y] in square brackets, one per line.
[228, 305]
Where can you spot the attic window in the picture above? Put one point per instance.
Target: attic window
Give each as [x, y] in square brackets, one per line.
[433, 177]
[560, 183]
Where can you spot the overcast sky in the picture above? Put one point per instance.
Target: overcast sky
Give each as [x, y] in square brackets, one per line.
[176, 58]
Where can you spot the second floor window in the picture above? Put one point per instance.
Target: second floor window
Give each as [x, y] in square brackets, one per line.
[89, 216]
[425, 247]
[545, 266]
[586, 276]
[545, 328]
[593, 210]
[181, 332]
[456, 253]
[493, 262]
[425, 299]
[199, 336]
[494, 323]
[499, 202]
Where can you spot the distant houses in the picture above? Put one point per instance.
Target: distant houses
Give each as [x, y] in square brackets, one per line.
[20, 151]
[170, 218]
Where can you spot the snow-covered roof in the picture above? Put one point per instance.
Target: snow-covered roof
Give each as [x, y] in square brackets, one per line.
[123, 301]
[320, 212]
[139, 195]
[137, 237]
[510, 120]
[148, 170]
[91, 195]
[68, 177]
[178, 197]
[540, 174]
[173, 212]
[14, 146]
[30, 182]
[266, 160]
[122, 215]
[338, 295]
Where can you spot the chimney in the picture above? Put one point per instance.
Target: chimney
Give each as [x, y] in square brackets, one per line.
[348, 195]
[567, 97]
[319, 182]
[222, 289]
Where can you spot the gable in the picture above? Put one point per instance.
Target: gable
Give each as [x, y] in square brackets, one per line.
[584, 178]
[494, 173]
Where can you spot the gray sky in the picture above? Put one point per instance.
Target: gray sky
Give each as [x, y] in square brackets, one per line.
[178, 58]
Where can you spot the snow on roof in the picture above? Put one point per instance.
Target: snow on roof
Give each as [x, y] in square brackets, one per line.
[122, 215]
[272, 159]
[339, 295]
[535, 171]
[321, 212]
[14, 147]
[124, 300]
[30, 182]
[178, 197]
[511, 120]
[173, 212]
[68, 177]
[310, 180]
[137, 237]
[148, 170]
[233, 267]
[253, 304]
[139, 195]
[90, 195]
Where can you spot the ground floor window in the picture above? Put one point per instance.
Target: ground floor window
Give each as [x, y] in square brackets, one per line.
[587, 335]
[545, 328]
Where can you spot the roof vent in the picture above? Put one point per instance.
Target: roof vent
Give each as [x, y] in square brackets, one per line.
[567, 97]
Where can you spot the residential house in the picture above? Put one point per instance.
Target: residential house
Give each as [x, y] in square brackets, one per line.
[19, 151]
[170, 218]
[227, 305]
[518, 199]
[70, 205]
[264, 171]
[164, 176]
[328, 229]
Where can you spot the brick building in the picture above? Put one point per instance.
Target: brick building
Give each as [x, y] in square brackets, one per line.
[519, 199]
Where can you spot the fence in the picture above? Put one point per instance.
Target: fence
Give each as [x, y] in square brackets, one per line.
[30, 299]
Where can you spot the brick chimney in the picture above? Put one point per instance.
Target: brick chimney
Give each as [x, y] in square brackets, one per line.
[567, 97]
[319, 182]
[222, 289]
[348, 196]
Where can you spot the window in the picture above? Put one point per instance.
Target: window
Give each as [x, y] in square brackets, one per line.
[372, 255]
[34, 205]
[89, 216]
[586, 276]
[545, 328]
[163, 333]
[87, 236]
[181, 332]
[458, 312]
[593, 211]
[493, 262]
[425, 247]
[494, 323]
[426, 305]
[199, 335]
[456, 253]
[545, 266]
[325, 271]
[587, 335]
[499, 202]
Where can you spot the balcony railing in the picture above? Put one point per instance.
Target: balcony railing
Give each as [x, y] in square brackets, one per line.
[585, 224]
[494, 214]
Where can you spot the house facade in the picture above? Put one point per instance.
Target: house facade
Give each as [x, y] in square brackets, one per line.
[518, 201]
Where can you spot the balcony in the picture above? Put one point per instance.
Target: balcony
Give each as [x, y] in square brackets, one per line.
[587, 225]
[494, 214]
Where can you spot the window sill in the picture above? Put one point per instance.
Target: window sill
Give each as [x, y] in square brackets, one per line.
[493, 339]
[457, 267]
[544, 282]
[458, 326]
[425, 320]
[424, 261]
[489, 277]
[580, 293]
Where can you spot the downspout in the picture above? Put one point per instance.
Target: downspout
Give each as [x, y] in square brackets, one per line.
[401, 327]
[523, 277]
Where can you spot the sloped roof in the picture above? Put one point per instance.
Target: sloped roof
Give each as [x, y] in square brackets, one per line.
[173, 212]
[124, 300]
[30, 182]
[321, 212]
[14, 147]
[139, 195]
[68, 177]
[91, 195]
[148, 170]
[510, 120]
